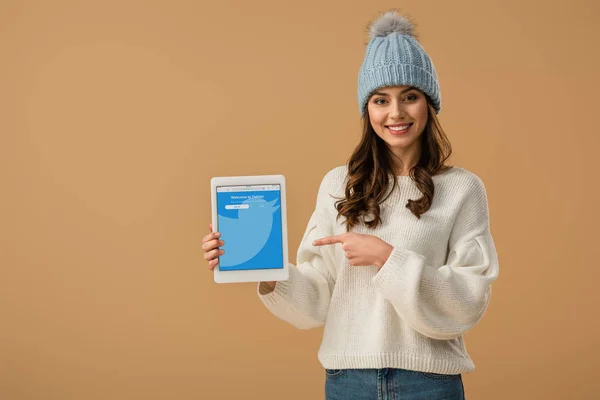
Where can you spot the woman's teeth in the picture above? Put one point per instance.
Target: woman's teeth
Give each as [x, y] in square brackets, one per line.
[398, 128]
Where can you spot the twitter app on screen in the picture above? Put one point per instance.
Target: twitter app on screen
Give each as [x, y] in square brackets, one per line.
[249, 219]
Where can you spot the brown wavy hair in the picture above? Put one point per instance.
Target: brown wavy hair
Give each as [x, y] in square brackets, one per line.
[370, 168]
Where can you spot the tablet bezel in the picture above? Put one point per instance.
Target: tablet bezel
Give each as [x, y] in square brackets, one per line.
[260, 275]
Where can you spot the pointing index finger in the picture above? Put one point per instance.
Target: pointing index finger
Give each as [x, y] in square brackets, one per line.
[328, 240]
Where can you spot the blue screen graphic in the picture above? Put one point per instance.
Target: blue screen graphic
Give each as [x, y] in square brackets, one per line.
[249, 220]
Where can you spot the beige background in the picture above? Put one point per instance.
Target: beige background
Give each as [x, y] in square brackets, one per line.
[114, 115]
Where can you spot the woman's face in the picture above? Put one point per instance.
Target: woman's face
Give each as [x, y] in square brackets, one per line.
[398, 114]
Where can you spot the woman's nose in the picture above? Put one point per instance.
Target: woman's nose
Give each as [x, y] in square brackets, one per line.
[397, 111]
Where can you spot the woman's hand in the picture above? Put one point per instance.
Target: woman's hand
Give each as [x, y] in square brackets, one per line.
[360, 249]
[210, 245]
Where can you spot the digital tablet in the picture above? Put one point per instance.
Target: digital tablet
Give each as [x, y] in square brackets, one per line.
[250, 213]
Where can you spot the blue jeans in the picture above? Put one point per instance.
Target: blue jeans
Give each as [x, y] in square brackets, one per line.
[391, 384]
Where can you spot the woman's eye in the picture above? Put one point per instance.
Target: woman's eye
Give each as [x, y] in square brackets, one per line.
[411, 97]
[377, 101]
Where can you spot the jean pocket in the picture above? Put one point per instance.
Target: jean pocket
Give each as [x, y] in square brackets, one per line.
[440, 377]
[333, 373]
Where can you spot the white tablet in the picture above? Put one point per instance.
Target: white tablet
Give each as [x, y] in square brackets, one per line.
[250, 213]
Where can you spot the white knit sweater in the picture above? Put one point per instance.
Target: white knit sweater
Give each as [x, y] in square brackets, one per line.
[411, 313]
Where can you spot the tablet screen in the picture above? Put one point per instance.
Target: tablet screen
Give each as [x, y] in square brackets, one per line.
[249, 220]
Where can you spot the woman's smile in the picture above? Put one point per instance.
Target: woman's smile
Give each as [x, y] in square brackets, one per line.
[397, 130]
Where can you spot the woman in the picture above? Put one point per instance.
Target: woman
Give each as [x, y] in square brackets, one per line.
[397, 259]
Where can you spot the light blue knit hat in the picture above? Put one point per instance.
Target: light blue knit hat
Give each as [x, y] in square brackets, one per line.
[395, 57]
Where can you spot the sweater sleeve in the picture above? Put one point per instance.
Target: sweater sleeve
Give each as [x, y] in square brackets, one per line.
[303, 299]
[443, 302]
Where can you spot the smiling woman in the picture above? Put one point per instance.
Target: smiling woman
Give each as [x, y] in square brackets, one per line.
[397, 259]
[398, 115]
[401, 107]
[399, 99]
[401, 137]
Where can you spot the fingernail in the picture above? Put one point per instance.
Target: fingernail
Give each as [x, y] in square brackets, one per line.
[221, 243]
[217, 234]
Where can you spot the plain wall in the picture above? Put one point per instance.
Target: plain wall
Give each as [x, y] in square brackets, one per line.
[114, 115]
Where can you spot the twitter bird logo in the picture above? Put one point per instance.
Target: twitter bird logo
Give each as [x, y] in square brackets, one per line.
[246, 236]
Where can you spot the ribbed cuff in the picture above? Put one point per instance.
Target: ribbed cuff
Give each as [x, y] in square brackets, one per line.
[273, 297]
[390, 272]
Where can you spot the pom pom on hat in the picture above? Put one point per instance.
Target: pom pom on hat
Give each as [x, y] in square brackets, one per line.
[390, 22]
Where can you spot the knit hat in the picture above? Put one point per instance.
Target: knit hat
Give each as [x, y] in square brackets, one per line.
[395, 57]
